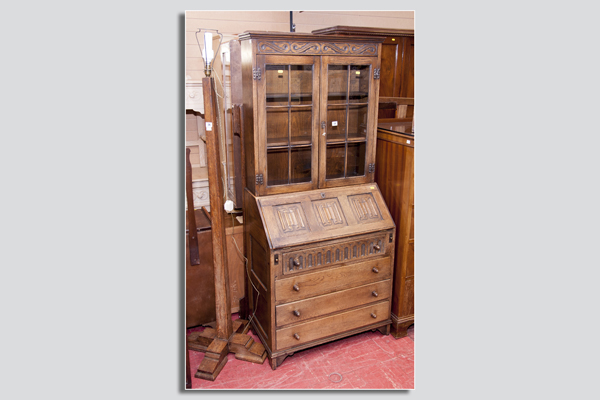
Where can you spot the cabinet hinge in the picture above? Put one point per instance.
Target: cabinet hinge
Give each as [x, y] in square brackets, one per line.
[376, 72]
[259, 179]
[256, 74]
[323, 124]
[371, 168]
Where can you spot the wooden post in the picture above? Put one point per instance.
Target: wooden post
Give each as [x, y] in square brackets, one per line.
[222, 294]
[228, 336]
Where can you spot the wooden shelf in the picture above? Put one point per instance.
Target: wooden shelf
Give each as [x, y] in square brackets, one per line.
[342, 139]
[292, 106]
[272, 144]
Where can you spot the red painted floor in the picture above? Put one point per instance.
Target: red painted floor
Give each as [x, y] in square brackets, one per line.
[365, 361]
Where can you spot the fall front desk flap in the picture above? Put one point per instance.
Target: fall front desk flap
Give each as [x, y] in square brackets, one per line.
[323, 214]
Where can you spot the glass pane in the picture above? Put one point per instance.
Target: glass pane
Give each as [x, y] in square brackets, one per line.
[277, 85]
[277, 167]
[301, 160]
[336, 123]
[337, 84]
[301, 84]
[359, 83]
[336, 155]
[357, 122]
[277, 127]
[301, 126]
[356, 159]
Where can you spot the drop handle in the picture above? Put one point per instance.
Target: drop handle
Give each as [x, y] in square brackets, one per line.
[373, 315]
[296, 288]
[375, 270]
[377, 247]
[374, 293]
[296, 262]
[296, 336]
[296, 313]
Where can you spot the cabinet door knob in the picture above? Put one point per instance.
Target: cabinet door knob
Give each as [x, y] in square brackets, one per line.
[375, 270]
[374, 293]
[377, 247]
[296, 262]
[373, 315]
[296, 288]
[297, 336]
[296, 313]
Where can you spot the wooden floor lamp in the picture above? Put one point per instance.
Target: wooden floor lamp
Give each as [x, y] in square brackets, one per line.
[228, 336]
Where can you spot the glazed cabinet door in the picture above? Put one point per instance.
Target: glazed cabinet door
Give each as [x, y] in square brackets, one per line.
[288, 130]
[348, 116]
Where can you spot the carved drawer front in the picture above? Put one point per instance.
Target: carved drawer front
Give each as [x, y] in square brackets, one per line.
[325, 256]
[331, 280]
[303, 310]
[323, 327]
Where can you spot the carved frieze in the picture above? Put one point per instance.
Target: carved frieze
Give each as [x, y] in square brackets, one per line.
[315, 48]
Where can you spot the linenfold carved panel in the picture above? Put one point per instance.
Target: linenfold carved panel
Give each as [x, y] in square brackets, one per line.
[329, 213]
[280, 46]
[291, 218]
[364, 207]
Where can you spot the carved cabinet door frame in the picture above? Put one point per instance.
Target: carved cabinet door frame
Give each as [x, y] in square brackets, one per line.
[261, 145]
[372, 110]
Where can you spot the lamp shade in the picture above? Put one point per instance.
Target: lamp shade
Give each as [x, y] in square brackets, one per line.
[206, 47]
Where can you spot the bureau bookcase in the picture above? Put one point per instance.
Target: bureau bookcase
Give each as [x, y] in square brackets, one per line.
[318, 235]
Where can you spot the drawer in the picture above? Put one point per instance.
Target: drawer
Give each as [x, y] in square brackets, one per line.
[331, 280]
[302, 310]
[334, 254]
[323, 327]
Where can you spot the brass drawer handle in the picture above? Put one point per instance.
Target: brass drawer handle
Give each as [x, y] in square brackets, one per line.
[297, 336]
[374, 293]
[296, 288]
[296, 313]
[373, 315]
[375, 270]
[296, 262]
[377, 247]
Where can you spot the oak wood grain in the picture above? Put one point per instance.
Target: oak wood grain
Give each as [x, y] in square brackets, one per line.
[329, 248]
[327, 326]
[316, 232]
[331, 280]
[299, 311]
[222, 290]
[395, 175]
